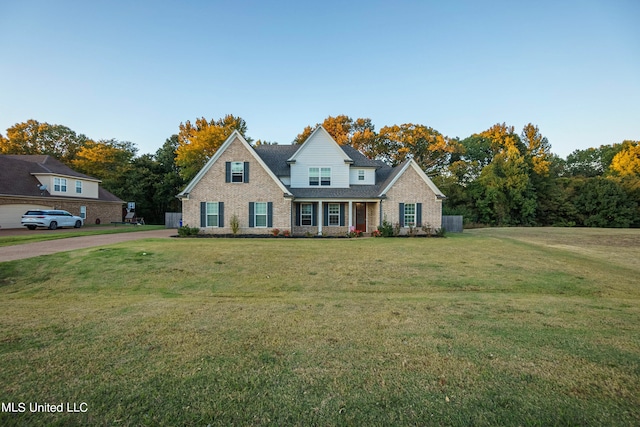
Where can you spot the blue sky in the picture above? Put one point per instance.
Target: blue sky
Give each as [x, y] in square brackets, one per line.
[135, 70]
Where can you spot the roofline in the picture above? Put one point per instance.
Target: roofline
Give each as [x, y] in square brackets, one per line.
[66, 176]
[79, 199]
[184, 194]
[411, 162]
[292, 159]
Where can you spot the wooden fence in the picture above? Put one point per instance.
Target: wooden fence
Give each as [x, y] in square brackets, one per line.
[172, 219]
[452, 223]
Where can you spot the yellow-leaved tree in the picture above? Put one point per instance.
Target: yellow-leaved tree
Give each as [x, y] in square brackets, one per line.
[627, 161]
[198, 142]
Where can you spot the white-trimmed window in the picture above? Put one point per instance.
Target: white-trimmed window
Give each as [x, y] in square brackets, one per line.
[78, 187]
[260, 214]
[320, 176]
[334, 214]
[83, 212]
[237, 171]
[306, 214]
[409, 214]
[361, 175]
[60, 184]
[212, 214]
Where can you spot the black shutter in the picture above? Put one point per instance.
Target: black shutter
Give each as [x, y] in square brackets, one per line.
[246, 171]
[418, 214]
[401, 215]
[220, 214]
[270, 214]
[297, 214]
[251, 214]
[341, 214]
[203, 214]
[314, 215]
[325, 214]
[227, 167]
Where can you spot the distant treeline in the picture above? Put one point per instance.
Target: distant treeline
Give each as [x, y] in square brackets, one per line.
[497, 177]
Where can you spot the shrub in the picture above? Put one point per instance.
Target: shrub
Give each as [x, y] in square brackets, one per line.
[441, 232]
[235, 224]
[376, 233]
[275, 231]
[286, 233]
[386, 229]
[186, 231]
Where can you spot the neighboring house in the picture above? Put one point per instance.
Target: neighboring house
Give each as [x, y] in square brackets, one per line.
[42, 182]
[318, 187]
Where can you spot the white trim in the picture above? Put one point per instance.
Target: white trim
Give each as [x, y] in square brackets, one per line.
[184, 194]
[346, 158]
[420, 172]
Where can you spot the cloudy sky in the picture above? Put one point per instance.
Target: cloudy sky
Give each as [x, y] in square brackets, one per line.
[134, 70]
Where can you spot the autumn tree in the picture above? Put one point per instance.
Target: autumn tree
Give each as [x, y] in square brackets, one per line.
[199, 141]
[627, 161]
[33, 137]
[108, 160]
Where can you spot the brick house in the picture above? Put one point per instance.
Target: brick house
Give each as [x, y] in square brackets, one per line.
[318, 187]
[42, 182]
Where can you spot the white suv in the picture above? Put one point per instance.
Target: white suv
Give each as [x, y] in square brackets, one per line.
[51, 219]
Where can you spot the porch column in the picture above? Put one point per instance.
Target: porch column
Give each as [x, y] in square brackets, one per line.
[320, 218]
[350, 221]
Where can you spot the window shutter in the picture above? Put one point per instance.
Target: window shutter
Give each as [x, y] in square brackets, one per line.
[203, 214]
[325, 214]
[401, 215]
[251, 214]
[246, 171]
[341, 214]
[298, 214]
[314, 215]
[220, 214]
[418, 214]
[269, 213]
[227, 166]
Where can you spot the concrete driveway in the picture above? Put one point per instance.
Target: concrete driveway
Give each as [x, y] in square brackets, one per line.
[29, 250]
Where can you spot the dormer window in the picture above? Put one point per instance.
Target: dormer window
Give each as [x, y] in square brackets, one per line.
[361, 175]
[319, 176]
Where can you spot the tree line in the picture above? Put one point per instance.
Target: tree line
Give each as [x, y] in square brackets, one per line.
[497, 177]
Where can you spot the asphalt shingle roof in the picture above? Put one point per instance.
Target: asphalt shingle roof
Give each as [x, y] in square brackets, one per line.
[276, 156]
[16, 175]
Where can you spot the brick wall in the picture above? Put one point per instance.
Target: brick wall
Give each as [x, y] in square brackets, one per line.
[236, 196]
[96, 209]
[411, 188]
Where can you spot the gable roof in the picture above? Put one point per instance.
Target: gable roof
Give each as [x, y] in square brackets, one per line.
[18, 176]
[235, 135]
[401, 169]
[319, 130]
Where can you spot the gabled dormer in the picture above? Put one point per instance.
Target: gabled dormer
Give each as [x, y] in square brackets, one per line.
[320, 163]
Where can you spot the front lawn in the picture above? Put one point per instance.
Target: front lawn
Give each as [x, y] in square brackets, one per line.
[41, 235]
[491, 327]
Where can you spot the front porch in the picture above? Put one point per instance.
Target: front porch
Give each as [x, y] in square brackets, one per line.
[334, 217]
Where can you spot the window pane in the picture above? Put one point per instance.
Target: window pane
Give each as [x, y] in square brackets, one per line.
[261, 208]
[237, 171]
[260, 214]
[314, 176]
[306, 211]
[325, 176]
[409, 214]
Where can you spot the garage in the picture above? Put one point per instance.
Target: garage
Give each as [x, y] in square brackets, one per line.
[10, 215]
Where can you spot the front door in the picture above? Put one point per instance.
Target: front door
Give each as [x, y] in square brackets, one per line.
[361, 217]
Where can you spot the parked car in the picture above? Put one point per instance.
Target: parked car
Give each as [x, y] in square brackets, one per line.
[51, 219]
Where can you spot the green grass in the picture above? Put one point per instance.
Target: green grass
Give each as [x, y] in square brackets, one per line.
[492, 327]
[64, 234]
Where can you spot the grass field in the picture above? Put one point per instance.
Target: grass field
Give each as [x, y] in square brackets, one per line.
[491, 327]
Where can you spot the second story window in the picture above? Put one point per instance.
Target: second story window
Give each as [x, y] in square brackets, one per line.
[60, 184]
[78, 187]
[237, 172]
[320, 176]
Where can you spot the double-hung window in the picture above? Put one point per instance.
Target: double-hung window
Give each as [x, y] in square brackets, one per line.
[361, 175]
[334, 214]
[260, 214]
[237, 171]
[409, 214]
[83, 212]
[306, 213]
[320, 176]
[212, 214]
[60, 184]
[78, 187]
